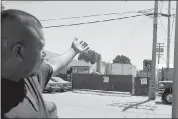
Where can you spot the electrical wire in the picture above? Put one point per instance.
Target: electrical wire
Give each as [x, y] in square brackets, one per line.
[20, 2]
[172, 26]
[137, 26]
[174, 9]
[92, 22]
[96, 15]
[6, 2]
[163, 59]
[162, 25]
[161, 8]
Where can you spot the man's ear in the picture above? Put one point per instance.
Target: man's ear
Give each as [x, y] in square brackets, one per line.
[18, 51]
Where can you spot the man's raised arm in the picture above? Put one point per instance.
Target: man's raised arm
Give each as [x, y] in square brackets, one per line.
[62, 61]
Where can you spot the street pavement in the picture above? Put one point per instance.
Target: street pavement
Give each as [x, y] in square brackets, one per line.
[85, 104]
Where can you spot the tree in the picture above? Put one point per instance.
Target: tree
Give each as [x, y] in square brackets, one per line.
[69, 71]
[122, 59]
[90, 56]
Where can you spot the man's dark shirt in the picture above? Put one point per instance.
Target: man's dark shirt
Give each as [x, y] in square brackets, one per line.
[24, 99]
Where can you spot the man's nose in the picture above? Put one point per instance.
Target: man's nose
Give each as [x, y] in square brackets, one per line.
[43, 54]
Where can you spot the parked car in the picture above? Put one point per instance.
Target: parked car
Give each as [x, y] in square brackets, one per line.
[52, 109]
[64, 85]
[57, 84]
[165, 90]
[51, 87]
[95, 73]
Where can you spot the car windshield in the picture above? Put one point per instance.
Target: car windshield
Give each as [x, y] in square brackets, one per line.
[57, 79]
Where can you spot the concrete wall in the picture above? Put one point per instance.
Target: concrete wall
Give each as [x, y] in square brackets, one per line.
[108, 69]
[162, 75]
[168, 74]
[103, 69]
[92, 68]
[142, 73]
[121, 69]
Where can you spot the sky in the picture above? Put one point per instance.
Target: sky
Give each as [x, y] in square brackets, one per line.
[130, 37]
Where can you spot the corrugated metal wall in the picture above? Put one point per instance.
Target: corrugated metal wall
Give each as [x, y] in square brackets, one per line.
[141, 88]
[121, 83]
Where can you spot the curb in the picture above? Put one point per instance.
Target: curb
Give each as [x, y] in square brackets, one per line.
[101, 91]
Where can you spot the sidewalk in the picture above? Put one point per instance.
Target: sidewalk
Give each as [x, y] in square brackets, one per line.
[100, 91]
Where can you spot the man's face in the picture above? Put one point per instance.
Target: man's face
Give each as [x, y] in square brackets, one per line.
[21, 59]
[34, 51]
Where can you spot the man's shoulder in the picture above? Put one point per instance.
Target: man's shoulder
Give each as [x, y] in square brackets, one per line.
[45, 67]
[44, 74]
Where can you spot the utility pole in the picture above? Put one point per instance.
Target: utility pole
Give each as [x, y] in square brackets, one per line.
[160, 50]
[168, 38]
[168, 35]
[152, 85]
[175, 81]
[98, 63]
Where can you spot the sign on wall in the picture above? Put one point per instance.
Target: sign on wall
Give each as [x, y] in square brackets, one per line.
[106, 79]
[143, 81]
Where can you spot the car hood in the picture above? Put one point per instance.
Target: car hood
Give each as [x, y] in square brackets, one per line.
[50, 81]
[60, 80]
[165, 82]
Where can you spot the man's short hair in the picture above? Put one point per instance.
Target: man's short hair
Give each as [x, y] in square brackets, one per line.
[23, 17]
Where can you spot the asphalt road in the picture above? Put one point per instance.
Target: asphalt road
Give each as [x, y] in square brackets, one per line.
[83, 104]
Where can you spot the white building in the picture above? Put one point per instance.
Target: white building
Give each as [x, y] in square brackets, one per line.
[121, 69]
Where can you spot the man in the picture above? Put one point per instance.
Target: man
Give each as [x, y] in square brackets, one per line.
[69, 73]
[24, 72]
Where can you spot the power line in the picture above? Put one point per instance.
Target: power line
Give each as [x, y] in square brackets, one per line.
[136, 30]
[95, 15]
[162, 25]
[160, 17]
[96, 21]
[171, 9]
[163, 59]
[20, 2]
[161, 8]
[5, 3]
[173, 25]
